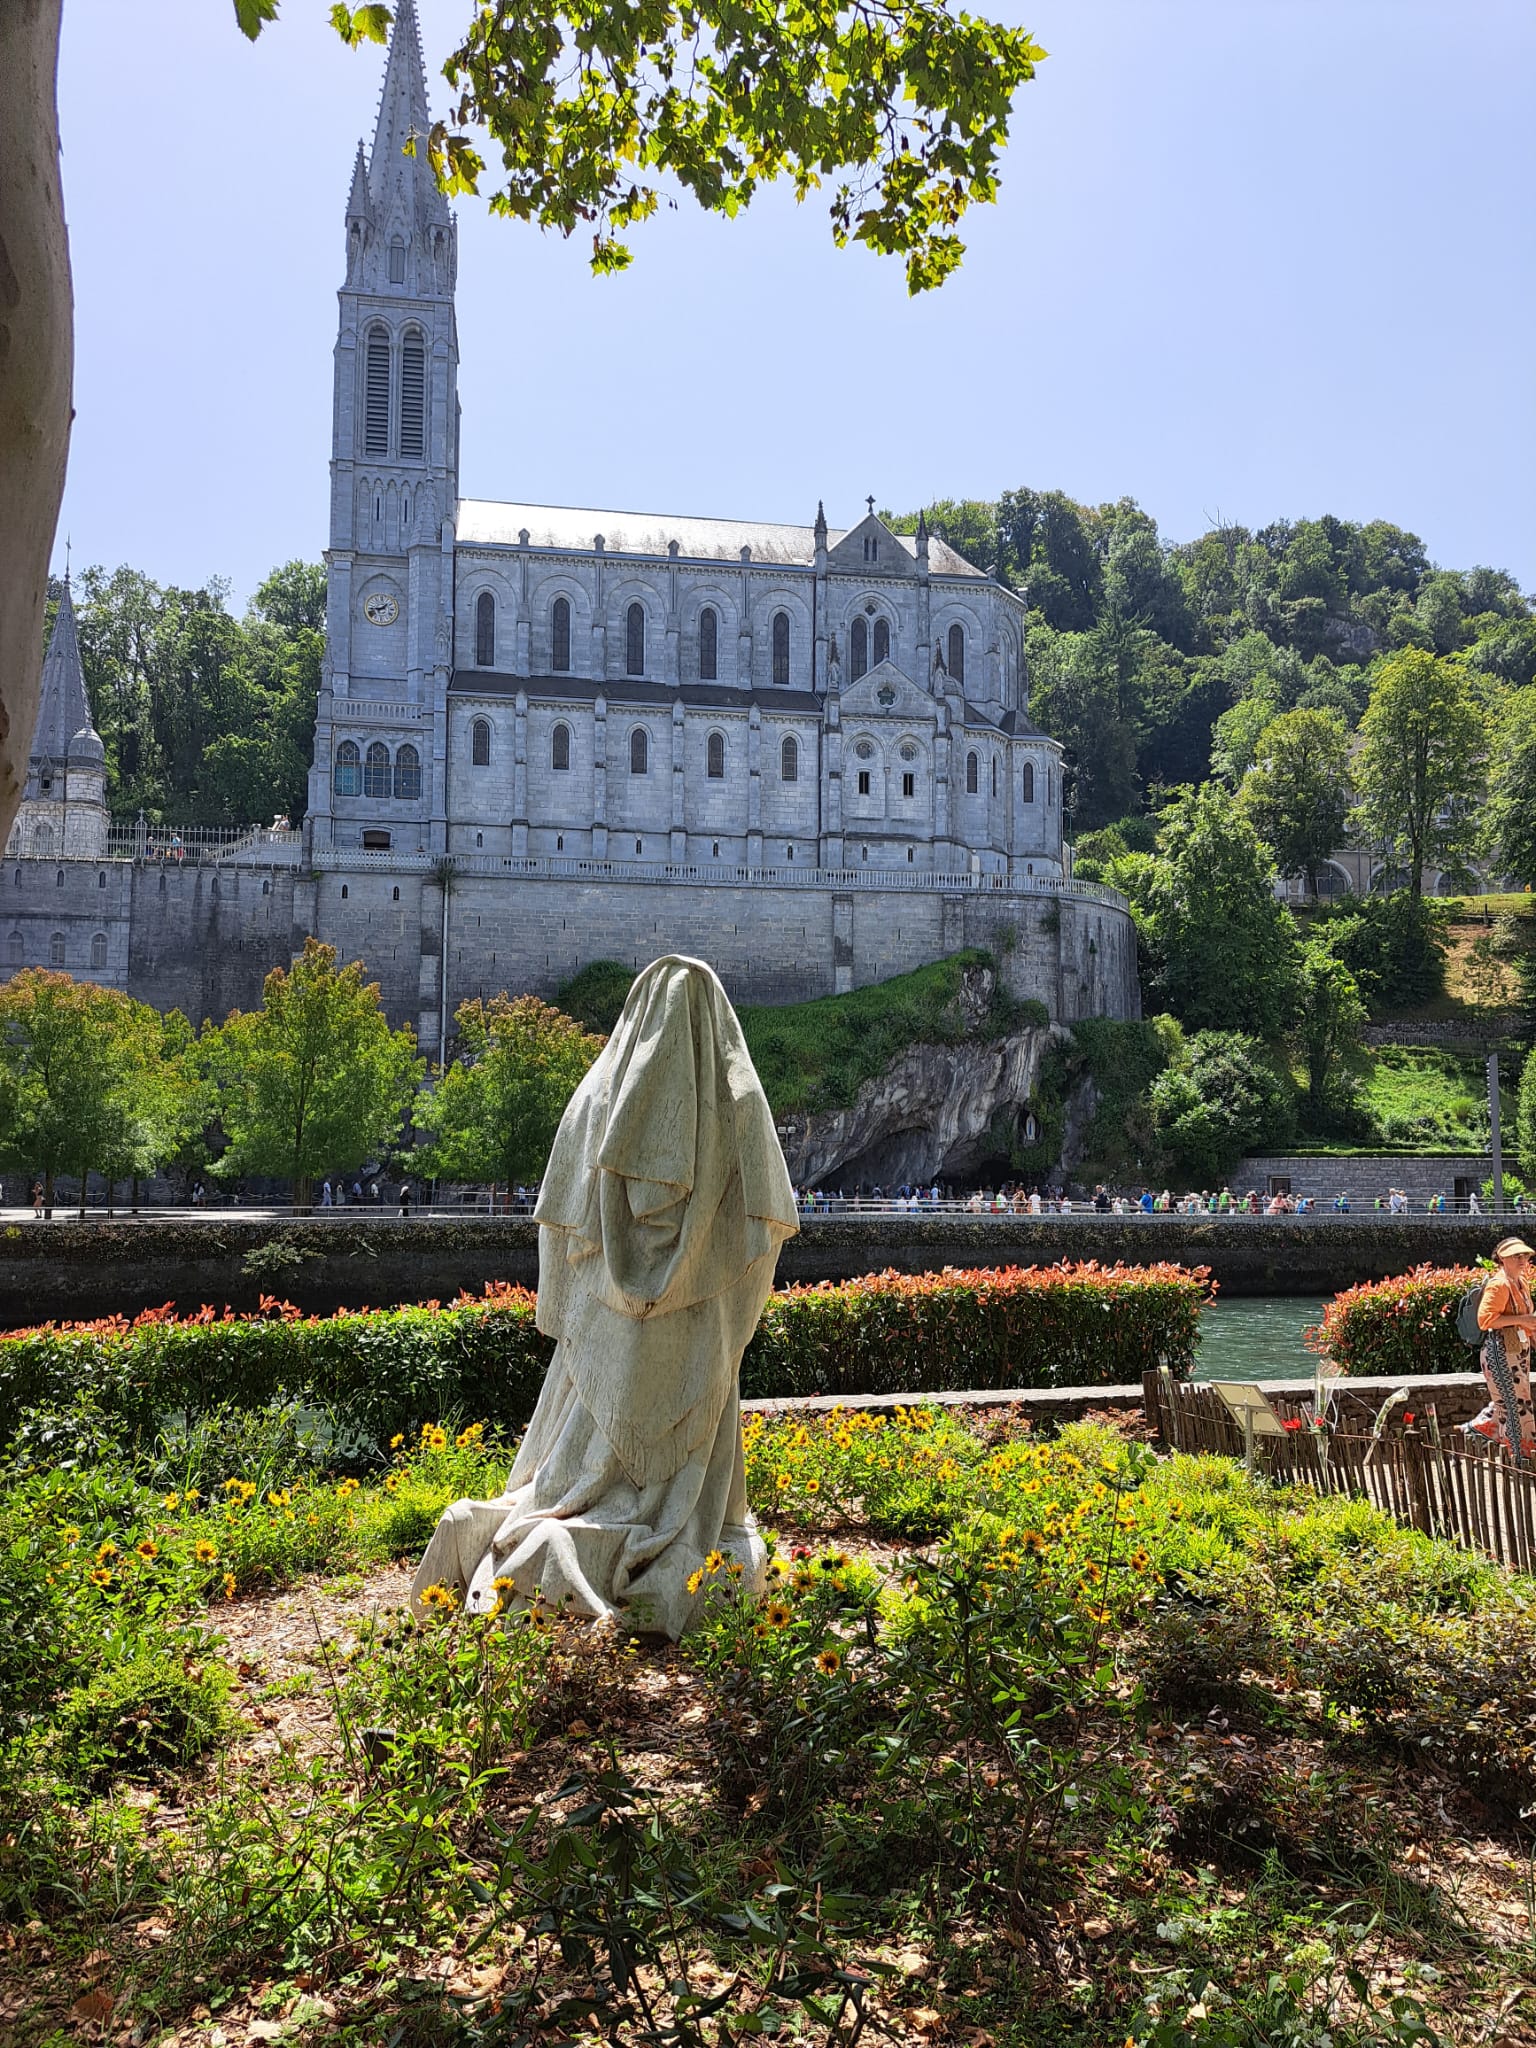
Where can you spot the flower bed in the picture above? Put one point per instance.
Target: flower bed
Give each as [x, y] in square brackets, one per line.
[1405, 1324]
[387, 1368]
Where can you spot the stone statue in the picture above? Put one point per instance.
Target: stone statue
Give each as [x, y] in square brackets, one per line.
[661, 1214]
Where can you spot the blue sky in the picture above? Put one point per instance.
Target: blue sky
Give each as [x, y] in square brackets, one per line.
[1251, 260]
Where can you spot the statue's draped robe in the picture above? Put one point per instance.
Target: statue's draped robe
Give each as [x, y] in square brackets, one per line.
[661, 1215]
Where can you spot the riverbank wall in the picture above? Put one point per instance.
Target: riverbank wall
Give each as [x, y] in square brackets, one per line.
[79, 1271]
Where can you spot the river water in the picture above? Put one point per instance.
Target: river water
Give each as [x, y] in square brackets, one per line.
[1257, 1339]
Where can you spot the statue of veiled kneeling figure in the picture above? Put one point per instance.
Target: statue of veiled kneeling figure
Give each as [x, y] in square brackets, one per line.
[661, 1214]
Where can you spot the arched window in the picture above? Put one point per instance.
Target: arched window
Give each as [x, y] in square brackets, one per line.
[485, 630]
[560, 746]
[395, 895]
[639, 750]
[1028, 789]
[972, 774]
[715, 757]
[781, 650]
[560, 636]
[59, 878]
[858, 650]
[376, 770]
[408, 773]
[101, 879]
[789, 758]
[480, 743]
[376, 400]
[98, 949]
[709, 645]
[396, 261]
[956, 662]
[347, 773]
[413, 396]
[634, 644]
[56, 950]
[14, 948]
[343, 892]
[882, 641]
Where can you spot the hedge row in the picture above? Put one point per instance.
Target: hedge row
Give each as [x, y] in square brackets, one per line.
[388, 1368]
[1405, 1324]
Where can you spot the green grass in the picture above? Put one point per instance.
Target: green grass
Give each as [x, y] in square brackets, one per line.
[1428, 1098]
[817, 1055]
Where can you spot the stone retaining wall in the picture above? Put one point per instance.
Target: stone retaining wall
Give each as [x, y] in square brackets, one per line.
[79, 1271]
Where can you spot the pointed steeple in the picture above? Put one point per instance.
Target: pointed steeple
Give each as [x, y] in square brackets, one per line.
[357, 198]
[404, 115]
[922, 536]
[821, 524]
[62, 708]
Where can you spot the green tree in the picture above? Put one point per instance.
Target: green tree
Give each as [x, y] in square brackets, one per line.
[1219, 1099]
[314, 1081]
[1223, 950]
[494, 1112]
[1509, 822]
[1054, 548]
[1419, 769]
[1331, 1012]
[1297, 795]
[90, 1080]
[1525, 1120]
[1394, 946]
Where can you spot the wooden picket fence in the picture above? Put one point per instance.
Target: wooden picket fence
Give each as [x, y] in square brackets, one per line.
[1469, 1491]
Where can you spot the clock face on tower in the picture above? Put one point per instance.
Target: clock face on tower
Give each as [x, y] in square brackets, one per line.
[380, 609]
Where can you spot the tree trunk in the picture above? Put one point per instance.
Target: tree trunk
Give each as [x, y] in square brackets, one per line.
[36, 367]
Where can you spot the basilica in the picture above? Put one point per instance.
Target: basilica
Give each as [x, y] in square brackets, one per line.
[552, 734]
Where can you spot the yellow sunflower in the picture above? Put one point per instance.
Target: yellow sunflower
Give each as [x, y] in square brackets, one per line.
[829, 1662]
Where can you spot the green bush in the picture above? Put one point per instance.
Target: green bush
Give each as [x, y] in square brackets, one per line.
[147, 1714]
[1407, 1324]
[178, 1384]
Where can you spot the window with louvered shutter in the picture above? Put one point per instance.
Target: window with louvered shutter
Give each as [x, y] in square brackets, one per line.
[413, 396]
[376, 405]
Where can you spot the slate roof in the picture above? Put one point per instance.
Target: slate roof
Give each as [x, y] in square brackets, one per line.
[62, 709]
[483, 522]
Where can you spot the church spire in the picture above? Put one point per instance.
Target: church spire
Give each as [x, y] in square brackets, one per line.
[62, 708]
[357, 198]
[404, 116]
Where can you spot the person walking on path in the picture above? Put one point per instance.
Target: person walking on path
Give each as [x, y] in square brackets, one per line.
[1506, 1314]
[405, 1198]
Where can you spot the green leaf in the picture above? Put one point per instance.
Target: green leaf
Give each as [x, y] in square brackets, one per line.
[251, 14]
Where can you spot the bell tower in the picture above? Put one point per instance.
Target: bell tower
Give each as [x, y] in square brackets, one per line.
[378, 779]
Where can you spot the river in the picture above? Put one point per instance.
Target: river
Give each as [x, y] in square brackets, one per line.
[1257, 1338]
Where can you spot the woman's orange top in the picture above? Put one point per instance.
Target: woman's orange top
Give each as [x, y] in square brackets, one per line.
[1504, 1297]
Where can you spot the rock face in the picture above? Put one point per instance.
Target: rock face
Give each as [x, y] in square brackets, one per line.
[939, 1112]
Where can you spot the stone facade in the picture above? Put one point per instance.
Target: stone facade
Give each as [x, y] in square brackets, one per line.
[547, 736]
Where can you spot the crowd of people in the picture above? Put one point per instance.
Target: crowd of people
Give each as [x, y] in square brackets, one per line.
[1015, 1199]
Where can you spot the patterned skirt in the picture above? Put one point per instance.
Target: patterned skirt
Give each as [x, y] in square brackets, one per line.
[1509, 1417]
